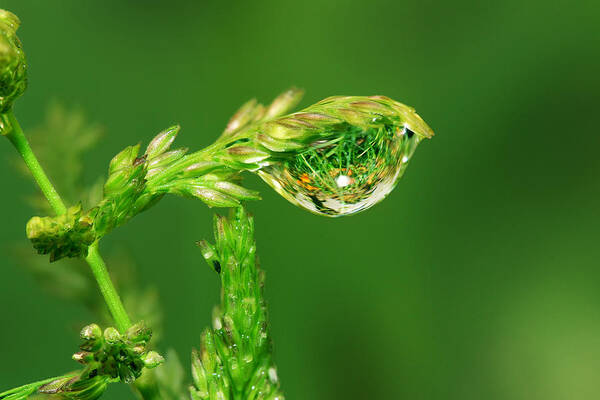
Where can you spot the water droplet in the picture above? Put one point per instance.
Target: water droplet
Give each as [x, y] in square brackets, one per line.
[347, 173]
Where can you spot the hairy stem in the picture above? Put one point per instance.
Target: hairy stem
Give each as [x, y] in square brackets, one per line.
[18, 139]
[110, 294]
[95, 261]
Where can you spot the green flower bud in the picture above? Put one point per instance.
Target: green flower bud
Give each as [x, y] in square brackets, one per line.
[152, 359]
[139, 333]
[13, 66]
[162, 142]
[91, 332]
[92, 338]
[212, 198]
[111, 335]
[112, 355]
[67, 235]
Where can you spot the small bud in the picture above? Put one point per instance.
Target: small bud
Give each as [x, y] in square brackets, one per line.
[369, 106]
[139, 333]
[152, 359]
[165, 159]
[162, 142]
[111, 335]
[277, 145]
[66, 235]
[284, 103]
[146, 201]
[200, 168]
[208, 251]
[116, 180]
[199, 375]
[92, 338]
[236, 191]
[213, 198]
[247, 113]
[139, 349]
[283, 131]
[91, 332]
[124, 159]
[247, 154]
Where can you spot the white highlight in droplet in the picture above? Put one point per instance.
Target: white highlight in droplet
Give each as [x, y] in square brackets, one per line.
[343, 181]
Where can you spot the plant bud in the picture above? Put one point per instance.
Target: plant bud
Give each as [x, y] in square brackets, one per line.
[124, 159]
[111, 335]
[152, 359]
[284, 102]
[139, 333]
[67, 235]
[247, 113]
[13, 66]
[162, 142]
[213, 198]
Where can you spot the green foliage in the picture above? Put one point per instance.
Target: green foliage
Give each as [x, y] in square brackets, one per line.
[235, 360]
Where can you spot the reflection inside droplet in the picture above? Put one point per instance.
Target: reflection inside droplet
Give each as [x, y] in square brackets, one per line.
[345, 174]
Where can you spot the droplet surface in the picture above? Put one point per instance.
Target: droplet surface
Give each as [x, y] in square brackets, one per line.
[345, 174]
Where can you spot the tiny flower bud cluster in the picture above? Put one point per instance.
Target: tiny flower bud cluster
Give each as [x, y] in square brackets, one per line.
[13, 66]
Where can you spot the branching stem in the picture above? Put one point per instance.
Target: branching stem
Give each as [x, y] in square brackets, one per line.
[94, 259]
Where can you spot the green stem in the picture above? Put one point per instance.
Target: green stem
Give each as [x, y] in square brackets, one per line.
[95, 261]
[111, 296]
[20, 142]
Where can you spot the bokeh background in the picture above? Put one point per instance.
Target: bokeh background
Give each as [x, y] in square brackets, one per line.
[478, 278]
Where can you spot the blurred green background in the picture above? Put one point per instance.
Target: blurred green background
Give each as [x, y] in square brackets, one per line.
[477, 278]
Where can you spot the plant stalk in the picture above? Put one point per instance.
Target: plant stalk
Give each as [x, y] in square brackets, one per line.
[18, 139]
[94, 259]
[108, 290]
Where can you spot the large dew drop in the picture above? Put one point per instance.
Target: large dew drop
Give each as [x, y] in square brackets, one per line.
[346, 174]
